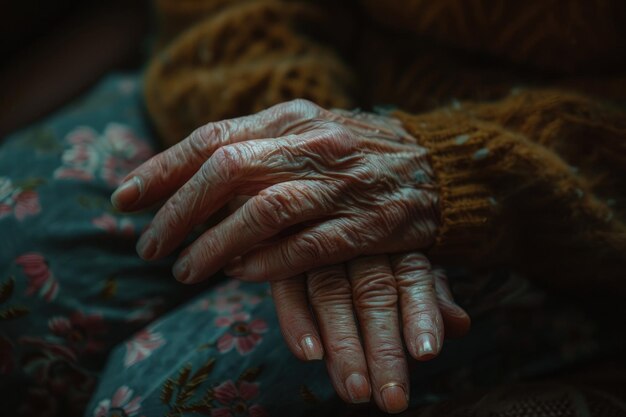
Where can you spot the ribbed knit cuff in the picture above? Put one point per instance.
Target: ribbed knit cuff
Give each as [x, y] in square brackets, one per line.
[467, 206]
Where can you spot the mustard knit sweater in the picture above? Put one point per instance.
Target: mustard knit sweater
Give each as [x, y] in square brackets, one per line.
[521, 105]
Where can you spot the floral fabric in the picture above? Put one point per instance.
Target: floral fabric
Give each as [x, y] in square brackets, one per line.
[70, 286]
[88, 328]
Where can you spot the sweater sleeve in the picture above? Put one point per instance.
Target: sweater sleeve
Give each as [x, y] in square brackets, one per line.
[510, 194]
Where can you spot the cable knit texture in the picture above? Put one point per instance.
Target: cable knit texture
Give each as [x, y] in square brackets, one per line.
[530, 161]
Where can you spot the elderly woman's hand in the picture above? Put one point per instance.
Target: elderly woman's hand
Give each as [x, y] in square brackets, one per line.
[326, 188]
[367, 356]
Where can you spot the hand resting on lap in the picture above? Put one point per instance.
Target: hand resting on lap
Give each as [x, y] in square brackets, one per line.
[362, 312]
[319, 188]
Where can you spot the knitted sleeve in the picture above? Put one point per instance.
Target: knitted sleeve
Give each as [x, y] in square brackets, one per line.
[535, 181]
[243, 58]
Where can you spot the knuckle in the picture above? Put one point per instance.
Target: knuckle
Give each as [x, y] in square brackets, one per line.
[208, 133]
[343, 236]
[329, 286]
[387, 350]
[355, 239]
[162, 165]
[174, 218]
[297, 109]
[198, 144]
[205, 251]
[303, 104]
[257, 219]
[423, 308]
[314, 246]
[225, 163]
[420, 289]
[276, 207]
[337, 134]
[159, 168]
[333, 140]
[415, 263]
[287, 257]
[345, 345]
[375, 291]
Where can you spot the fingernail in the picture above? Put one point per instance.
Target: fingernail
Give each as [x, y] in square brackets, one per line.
[181, 270]
[127, 193]
[426, 346]
[358, 389]
[312, 348]
[394, 398]
[234, 268]
[146, 246]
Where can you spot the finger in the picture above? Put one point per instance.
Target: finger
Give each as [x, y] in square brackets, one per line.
[160, 176]
[157, 178]
[263, 216]
[422, 322]
[456, 320]
[245, 168]
[295, 319]
[375, 301]
[330, 242]
[331, 298]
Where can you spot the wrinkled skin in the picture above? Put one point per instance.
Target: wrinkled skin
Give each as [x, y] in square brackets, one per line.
[350, 187]
[309, 189]
[372, 289]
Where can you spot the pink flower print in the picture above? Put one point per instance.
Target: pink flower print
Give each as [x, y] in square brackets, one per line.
[80, 161]
[228, 299]
[109, 156]
[80, 331]
[243, 334]
[141, 346]
[40, 278]
[22, 202]
[26, 204]
[122, 404]
[5, 210]
[230, 285]
[114, 226]
[220, 304]
[236, 400]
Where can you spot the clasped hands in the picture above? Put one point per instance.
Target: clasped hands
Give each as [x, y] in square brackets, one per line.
[326, 196]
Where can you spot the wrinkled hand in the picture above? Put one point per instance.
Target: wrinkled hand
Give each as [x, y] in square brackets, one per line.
[372, 289]
[326, 188]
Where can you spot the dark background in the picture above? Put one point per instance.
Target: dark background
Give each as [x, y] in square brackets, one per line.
[53, 50]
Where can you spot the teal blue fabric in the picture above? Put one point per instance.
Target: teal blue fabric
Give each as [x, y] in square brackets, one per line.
[72, 286]
[88, 328]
